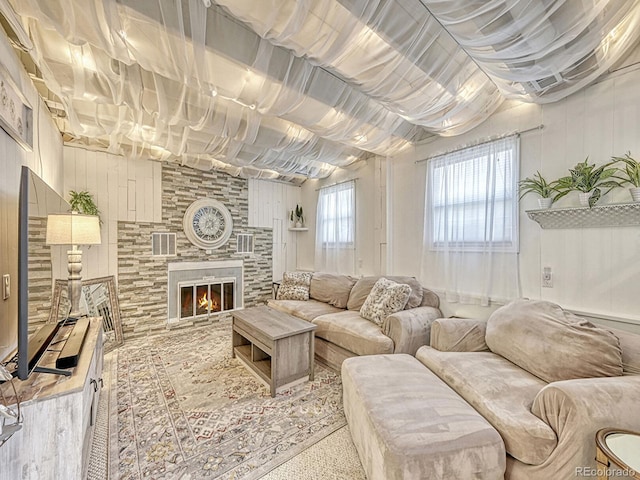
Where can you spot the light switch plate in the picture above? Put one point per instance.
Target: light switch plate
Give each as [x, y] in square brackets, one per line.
[6, 286]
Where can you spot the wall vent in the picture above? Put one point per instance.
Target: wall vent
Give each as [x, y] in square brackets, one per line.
[245, 243]
[542, 83]
[163, 244]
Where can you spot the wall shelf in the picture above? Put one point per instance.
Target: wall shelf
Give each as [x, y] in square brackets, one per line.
[614, 215]
[298, 229]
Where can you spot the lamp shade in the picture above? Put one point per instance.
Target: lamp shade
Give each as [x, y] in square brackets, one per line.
[73, 229]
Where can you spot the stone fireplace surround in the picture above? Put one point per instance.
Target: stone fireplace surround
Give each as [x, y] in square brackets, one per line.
[143, 278]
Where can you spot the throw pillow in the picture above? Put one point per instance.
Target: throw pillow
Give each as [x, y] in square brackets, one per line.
[363, 286]
[386, 297]
[294, 286]
[551, 343]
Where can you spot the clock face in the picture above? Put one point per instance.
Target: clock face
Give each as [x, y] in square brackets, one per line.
[207, 224]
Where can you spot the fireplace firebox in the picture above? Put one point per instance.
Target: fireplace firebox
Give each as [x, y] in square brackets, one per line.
[199, 290]
[205, 297]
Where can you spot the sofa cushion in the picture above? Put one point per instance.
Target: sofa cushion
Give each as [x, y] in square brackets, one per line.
[429, 299]
[407, 424]
[363, 286]
[458, 335]
[630, 344]
[502, 393]
[294, 286]
[386, 297]
[347, 329]
[331, 288]
[304, 309]
[551, 343]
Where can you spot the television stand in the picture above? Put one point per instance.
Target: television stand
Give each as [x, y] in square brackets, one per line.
[58, 416]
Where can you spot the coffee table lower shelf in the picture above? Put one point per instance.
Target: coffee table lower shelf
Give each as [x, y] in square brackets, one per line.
[261, 367]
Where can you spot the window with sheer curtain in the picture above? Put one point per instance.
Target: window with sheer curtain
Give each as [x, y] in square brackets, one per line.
[335, 228]
[471, 227]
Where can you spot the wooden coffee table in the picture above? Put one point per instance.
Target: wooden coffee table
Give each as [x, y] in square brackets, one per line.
[274, 345]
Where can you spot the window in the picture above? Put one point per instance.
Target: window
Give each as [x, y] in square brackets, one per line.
[336, 215]
[472, 197]
[335, 229]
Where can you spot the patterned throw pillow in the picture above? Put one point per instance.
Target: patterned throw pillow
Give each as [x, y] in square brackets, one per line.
[294, 286]
[386, 297]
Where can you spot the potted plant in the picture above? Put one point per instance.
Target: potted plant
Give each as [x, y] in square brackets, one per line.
[590, 181]
[632, 174]
[82, 202]
[539, 185]
[297, 217]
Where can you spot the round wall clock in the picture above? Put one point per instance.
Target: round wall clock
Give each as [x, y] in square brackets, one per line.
[207, 224]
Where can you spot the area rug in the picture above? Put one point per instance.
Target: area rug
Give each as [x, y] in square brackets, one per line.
[187, 410]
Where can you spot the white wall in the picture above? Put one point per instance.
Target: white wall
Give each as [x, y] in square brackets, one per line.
[45, 160]
[124, 190]
[269, 207]
[370, 216]
[595, 270]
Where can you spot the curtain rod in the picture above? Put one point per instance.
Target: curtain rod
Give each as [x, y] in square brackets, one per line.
[539, 127]
[338, 183]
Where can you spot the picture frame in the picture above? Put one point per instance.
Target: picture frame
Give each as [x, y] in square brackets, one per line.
[99, 298]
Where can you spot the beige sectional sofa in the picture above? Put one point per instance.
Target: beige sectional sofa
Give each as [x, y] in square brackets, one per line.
[543, 378]
[334, 306]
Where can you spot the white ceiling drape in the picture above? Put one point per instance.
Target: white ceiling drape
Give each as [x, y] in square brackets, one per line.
[293, 89]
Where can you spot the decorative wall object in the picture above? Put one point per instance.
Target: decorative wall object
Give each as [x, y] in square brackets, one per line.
[207, 224]
[16, 115]
[99, 298]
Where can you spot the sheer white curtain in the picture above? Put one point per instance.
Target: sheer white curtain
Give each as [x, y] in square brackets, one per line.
[470, 248]
[335, 229]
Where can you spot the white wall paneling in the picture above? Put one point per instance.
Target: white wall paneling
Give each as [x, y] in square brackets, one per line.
[595, 270]
[269, 207]
[124, 190]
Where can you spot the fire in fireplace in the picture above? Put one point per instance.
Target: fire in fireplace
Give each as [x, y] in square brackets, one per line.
[205, 297]
[204, 289]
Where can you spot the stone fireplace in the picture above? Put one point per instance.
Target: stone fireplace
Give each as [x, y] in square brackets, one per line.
[198, 290]
[146, 303]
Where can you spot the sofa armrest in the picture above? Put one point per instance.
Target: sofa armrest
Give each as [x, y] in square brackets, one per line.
[577, 409]
[459, 335]
[410, 329]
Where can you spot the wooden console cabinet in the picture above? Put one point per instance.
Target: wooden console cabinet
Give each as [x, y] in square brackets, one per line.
[58, 414]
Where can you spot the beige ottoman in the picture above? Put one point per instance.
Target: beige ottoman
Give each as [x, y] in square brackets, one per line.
[406, 423]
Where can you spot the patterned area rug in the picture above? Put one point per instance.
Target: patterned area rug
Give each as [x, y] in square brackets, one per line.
[187, 410]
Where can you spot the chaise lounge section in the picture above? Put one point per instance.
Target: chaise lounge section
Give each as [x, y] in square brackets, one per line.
[543, 378]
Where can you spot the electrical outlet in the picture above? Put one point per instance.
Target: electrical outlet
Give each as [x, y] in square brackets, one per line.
[6, 286]
[547, 277]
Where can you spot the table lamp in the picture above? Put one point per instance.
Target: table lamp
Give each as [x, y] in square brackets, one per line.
[73, 229]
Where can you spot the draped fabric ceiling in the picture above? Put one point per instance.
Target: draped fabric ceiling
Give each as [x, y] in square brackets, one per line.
[293, 89]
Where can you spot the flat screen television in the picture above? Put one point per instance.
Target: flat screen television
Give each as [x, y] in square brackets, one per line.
[36, 201]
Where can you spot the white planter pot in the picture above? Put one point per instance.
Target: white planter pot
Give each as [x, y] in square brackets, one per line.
[584, 198]
[635, 193]
[298, 224]
[544, 203]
